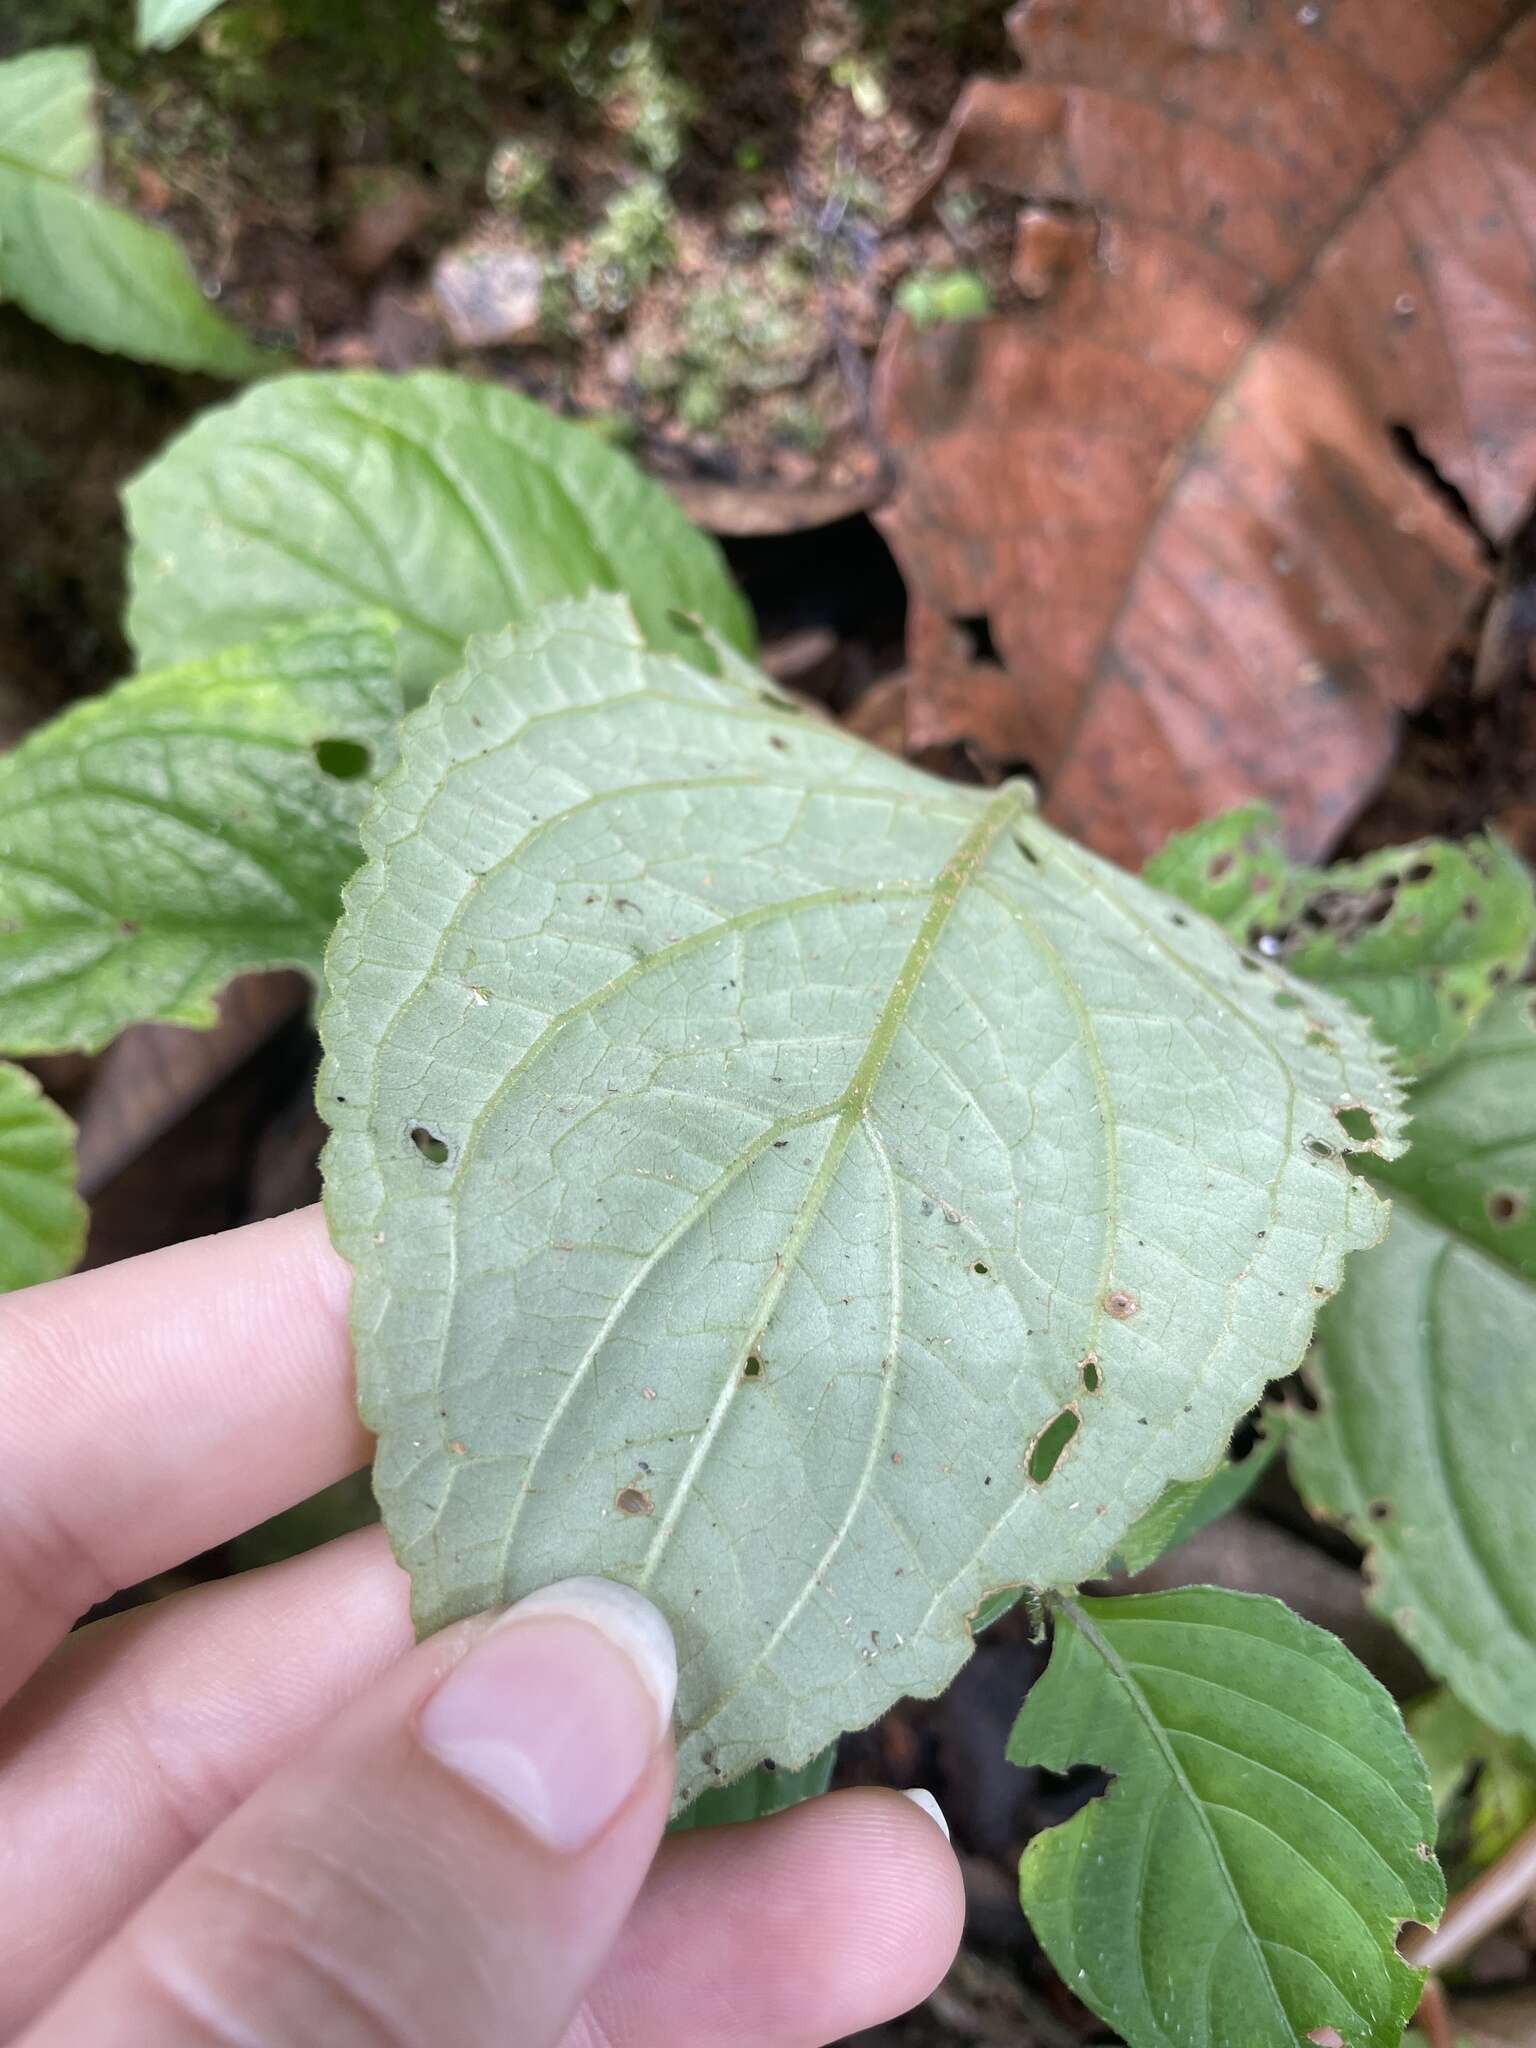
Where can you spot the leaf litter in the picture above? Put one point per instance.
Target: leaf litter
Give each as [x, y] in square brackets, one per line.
[1199, 519]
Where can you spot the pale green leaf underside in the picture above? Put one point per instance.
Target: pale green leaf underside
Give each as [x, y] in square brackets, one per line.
[1268, 1828]
[88, 270]
[162, 23]
[162, 838]
[1426, 1369]
[42, 1219]
[459, 507]
[807, 1128]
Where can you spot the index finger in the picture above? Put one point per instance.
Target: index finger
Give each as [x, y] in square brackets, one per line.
[152, 1409]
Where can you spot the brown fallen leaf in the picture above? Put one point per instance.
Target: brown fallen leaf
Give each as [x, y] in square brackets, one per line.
[1276, 262]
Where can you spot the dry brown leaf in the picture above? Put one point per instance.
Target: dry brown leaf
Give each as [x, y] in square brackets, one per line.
[1258, 243]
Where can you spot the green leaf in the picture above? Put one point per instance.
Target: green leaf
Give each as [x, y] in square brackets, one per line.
[1269, 1826]
[753, 1151]
[1483, 1783]
[1190, 1505]
[459, 507]
[184, 827]
[1425, 1369]
[1417, 937]
[90, 271]
[761, 1792]
[161, 24]
[42, 1219]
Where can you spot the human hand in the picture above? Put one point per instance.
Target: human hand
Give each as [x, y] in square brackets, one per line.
[255, 1813]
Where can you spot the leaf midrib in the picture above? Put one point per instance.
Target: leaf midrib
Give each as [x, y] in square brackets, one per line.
[850, 1109]
[1143, 1709]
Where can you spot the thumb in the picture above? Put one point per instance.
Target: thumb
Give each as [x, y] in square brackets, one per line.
[450, 1861]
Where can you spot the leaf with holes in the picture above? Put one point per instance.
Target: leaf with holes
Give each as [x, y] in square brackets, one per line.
[1417, 937]
[42, 1219]
[458, 507]
[184, 827]
[161, 24]
[1268, 1829]
[1426, 1372]
[90, 271]
[1220, 479]
[813, 1192]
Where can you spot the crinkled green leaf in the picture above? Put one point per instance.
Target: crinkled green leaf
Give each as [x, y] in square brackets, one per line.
[1425, 1441]
[761, 1792]
[1269, 1826]
[1418, 937]
[161, 24]
[90, 271]
[184, 827]
[1484, 1783]
[1190, 1505]
[42, 1219]
[460, 507]
[751, 1151]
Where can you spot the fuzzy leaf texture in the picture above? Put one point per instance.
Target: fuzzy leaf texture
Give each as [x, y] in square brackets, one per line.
[757, 1158]
[90, 271]
[458, 507]
[1270, 1826]
[1418, 937]
[161, 24]
[186, 826]
[1425, 1369]
[42, 1219]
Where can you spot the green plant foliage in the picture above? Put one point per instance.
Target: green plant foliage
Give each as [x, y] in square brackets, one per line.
[1484, 1783]
[1190, 1505]
[936, 298]
[749, 1148]
[1418, 937]
[184, 827]
[42, 1219]
[90, 271]
[758, 1794]
[1425, 1370]
[1269, 1826]
[459, 507]
[160, 24]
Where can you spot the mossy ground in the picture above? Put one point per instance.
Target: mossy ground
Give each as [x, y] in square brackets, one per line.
[713, 191]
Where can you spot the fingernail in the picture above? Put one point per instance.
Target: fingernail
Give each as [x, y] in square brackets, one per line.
[926, 1803]
[557, 1710]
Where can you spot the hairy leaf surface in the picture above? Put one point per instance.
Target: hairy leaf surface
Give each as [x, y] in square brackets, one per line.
[1269, 1827]
[458, 507]
[162, 23]
[1425, 1367]
[186, 826]
[1418, 937]
[90, 271]
[815, 1193]
[42, 1219]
